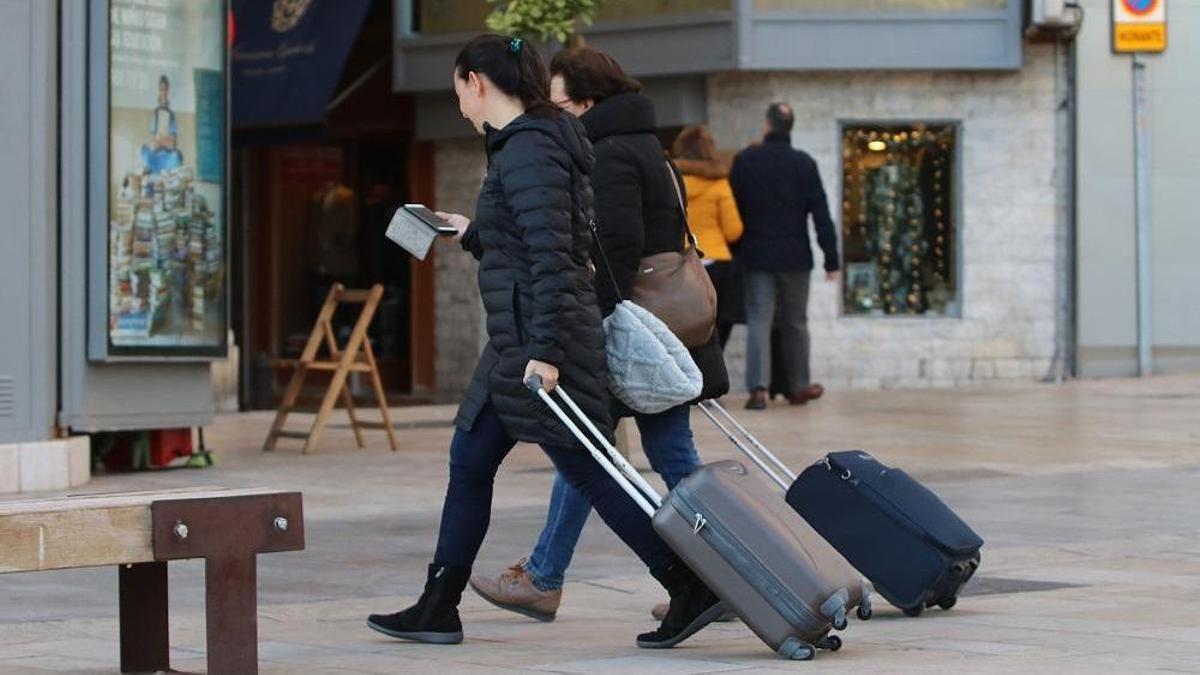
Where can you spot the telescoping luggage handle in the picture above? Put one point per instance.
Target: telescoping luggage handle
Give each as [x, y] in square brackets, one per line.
[760, 451]
[617, 466]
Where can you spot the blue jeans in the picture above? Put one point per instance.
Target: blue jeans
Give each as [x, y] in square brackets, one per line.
[667, 441]
[475, 456]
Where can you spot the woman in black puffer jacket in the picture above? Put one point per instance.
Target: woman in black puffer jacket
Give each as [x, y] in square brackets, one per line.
[638, 213]
[531, 237]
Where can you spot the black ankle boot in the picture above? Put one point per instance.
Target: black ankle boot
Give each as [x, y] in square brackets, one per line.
[434, 619]
[693, 606]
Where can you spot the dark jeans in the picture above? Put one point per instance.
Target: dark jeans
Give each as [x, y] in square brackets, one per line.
[475, 456]
[667, 442]
[767, 293]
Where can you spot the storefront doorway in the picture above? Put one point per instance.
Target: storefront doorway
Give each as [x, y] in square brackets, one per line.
[310, 201]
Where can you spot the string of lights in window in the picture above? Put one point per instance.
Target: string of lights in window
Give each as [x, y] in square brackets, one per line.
[896, 217]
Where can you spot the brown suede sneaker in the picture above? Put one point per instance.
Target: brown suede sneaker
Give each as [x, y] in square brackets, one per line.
[514, 590]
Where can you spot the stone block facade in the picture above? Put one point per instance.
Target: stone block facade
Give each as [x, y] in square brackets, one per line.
[39, 466]
[460, 166]
[1010, 205]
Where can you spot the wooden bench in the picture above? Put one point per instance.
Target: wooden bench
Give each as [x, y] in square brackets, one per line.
[140, 532]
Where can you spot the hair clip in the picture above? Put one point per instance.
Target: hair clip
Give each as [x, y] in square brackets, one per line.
[514, 45]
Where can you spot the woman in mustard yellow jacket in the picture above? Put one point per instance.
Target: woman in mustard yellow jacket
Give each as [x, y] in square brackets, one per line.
[713, 217]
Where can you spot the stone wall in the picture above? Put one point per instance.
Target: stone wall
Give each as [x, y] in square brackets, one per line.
[460, 166]
[1009, 210]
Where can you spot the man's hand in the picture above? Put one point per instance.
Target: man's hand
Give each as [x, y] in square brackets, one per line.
[456, 220]
[831, 276]
[547, 372]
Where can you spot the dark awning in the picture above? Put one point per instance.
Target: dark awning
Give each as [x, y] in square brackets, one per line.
[288, 57]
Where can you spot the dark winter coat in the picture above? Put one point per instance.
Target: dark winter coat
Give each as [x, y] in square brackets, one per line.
[637, 210]
[531, 236]
[776, 188]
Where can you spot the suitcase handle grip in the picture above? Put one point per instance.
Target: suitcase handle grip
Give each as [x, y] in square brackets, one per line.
[760, 451]
[614, 464]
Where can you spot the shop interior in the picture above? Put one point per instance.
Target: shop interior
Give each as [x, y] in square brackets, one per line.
[309, 206]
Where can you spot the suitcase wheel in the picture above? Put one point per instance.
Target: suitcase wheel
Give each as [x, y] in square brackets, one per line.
[864, 612]
[914, 611]
[830, 642]
[796, 650]
[949, 602]
[839, 621]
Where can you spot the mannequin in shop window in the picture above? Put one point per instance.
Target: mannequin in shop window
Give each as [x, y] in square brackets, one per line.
[333, 235]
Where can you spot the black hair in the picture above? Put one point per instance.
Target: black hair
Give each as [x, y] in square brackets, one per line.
[780, 118]
[591, 74]
[513, 65]
[162, 79]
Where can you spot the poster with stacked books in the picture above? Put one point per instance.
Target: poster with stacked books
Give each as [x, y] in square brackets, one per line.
[167, 144]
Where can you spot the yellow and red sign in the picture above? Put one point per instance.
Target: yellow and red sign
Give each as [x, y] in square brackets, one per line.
[1139, 26]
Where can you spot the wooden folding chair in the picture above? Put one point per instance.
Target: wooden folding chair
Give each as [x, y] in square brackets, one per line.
[342, 362]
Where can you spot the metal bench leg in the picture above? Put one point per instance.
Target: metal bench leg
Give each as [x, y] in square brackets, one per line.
[231, 608]
[145, 644]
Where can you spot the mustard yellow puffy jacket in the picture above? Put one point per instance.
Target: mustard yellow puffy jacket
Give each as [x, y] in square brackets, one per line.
[712, 212]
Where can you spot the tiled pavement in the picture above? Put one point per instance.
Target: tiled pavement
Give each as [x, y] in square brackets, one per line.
[1088, 495]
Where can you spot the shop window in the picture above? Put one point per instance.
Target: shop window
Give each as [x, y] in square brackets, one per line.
[899, 219]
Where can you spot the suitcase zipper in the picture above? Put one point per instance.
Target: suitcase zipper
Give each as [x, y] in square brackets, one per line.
[755, 572]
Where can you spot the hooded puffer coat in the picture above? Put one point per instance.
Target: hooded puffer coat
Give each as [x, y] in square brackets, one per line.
[531, 236]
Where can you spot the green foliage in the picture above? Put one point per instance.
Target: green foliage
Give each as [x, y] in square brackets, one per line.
[542, 19]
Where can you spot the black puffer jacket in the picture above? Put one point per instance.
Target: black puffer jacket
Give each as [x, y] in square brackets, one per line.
[637, 209]
[531, 236]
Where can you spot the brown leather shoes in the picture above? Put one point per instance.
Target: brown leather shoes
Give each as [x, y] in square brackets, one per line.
[810, 393]
[514, 590]
[757, 400]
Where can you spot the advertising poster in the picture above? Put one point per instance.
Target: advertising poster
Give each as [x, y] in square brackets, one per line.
[167, 232]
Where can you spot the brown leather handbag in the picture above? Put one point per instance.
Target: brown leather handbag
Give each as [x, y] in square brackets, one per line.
[676, 288]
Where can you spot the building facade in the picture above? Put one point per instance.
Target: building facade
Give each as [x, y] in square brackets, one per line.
[940, 133]
[1105, 245]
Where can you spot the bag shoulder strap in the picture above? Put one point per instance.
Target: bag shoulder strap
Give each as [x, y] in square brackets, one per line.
[604, 259]
[596, 238]
[682, 206]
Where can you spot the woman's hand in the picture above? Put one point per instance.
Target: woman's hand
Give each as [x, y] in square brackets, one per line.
[547, 372]
[456, 220]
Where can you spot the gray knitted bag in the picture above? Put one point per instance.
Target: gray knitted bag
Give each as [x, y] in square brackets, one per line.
[649, 369]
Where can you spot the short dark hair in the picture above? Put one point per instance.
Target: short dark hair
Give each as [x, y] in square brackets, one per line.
[162, 80]
[780, 118]
[591, 74]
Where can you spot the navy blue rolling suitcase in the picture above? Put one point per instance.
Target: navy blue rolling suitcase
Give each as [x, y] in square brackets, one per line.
[912, 548]
[898, 533]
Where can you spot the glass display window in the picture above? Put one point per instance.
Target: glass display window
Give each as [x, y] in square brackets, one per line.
[900, 218]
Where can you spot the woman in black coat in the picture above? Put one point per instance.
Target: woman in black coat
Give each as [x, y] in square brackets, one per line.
[531, 237]
[638, 213]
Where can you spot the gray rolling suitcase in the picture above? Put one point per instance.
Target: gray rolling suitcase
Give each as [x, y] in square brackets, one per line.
[783, 580]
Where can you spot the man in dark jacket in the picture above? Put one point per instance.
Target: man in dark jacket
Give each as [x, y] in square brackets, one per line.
[776, 188]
